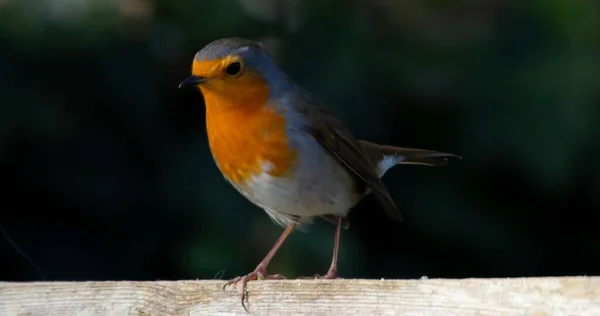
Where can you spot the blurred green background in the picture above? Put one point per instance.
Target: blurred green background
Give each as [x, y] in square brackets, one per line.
[108, 176]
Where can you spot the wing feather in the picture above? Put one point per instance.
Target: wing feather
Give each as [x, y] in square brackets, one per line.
[344, 148]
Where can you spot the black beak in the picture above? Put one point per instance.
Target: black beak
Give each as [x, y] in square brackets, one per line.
[192, 80]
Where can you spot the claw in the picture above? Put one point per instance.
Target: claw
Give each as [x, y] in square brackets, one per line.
[331, 274]
[258, 274]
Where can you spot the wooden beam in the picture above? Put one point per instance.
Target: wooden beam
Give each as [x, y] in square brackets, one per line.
[519, 296]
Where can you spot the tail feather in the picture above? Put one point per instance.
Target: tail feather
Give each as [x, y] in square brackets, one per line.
[424, 157]
[381, 154]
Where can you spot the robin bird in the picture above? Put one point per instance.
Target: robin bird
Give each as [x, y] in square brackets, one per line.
[281, 148]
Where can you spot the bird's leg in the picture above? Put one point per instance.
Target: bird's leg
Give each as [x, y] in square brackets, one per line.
[332, 272]
[260, 273]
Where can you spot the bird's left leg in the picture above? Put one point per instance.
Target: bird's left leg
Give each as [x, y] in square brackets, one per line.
[260, 273]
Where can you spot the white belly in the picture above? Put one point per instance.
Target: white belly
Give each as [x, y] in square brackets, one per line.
[315, 185]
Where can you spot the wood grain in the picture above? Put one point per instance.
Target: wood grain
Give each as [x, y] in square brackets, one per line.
[519, 296]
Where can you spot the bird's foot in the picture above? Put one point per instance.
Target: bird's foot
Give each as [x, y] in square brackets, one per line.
[331, 274]
[260, 273]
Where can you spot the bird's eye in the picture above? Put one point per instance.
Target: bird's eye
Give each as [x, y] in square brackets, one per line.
[234, 68]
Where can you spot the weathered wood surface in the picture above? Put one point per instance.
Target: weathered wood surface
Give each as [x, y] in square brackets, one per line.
[519, 296]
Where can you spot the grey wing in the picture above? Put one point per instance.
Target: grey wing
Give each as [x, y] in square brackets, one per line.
[344, 148]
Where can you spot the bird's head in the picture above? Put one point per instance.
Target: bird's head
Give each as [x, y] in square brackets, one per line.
[234, 71]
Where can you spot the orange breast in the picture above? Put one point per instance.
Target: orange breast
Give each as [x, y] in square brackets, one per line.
[244, 134]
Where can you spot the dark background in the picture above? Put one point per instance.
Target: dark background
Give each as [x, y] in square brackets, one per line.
[106, 172]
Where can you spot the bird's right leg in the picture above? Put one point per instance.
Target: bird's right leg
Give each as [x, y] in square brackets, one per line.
[332, 272]
[260, 273]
